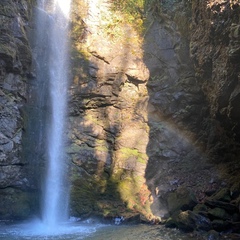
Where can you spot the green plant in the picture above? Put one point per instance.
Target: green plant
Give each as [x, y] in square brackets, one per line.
[133, 11]
[133, 8]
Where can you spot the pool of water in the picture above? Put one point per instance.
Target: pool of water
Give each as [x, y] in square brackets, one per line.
[89, 231]
[138, 232]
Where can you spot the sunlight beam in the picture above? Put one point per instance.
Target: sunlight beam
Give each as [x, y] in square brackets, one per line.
[64, 6]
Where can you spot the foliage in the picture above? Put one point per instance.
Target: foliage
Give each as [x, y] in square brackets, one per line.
[133, 11]
[133, 8]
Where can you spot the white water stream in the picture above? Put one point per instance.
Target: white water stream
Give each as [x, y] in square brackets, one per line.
[52, 23]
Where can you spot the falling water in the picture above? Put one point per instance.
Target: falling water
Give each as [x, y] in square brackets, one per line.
[52, 23]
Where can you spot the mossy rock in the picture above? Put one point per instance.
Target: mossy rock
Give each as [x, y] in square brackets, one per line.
[95, 195]
[189, 221]
[200, 208]
[74, 148]
[8, 53]
[218, 213]
[220, 225]
[222, 195]
[17, 204]
[170, 223]
[182, 199]
[127, 153]
[110, 196]
[212, 235]
[7, 9]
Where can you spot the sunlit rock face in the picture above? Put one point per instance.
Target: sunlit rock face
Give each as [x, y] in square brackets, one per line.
[136, 113]
[143, 120]
[15, 61]
[108, 114]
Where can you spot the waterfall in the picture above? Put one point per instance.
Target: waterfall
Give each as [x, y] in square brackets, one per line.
[52, 66]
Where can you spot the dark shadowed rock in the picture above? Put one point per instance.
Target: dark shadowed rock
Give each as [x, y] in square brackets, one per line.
[182, 199]
[189, 221]
[15, 63]
[212, 235]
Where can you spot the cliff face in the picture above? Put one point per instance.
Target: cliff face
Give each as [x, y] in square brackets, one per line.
[15, 61]
[153, 109]
[215, 52]
[157, 111]
[108, 128]
[137, 112]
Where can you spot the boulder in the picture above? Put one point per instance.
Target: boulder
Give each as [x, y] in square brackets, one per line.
[218, 213]
[189, 221]
[212, 235]
[223, 195]
[182, 199]
[220, 225]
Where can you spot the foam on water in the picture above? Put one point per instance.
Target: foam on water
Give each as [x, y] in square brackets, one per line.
[37, 229]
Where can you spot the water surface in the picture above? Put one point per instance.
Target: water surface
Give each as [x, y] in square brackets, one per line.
[90, 231]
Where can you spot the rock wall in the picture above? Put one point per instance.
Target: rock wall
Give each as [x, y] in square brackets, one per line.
[15, 62]
[108, 128]
[176, 109]
[215, 52]
[153, 108]
[151, 113]
[137, 112]
[198, 100]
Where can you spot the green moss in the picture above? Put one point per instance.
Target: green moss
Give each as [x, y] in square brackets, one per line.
[7, 52]
[134, 192]
[125, 187]
[6, 9]
[94, 194]
[101, 148]
[92, 118]
[129, 152]
[218, 213]
[101, 145]
[110, 196]
[132, 12]
[132, 8]
[74, 148]
[17, 204]
[84, 194]
[222, 195]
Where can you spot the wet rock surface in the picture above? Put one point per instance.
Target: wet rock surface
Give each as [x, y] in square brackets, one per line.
[213, 50]
[217, 215]
[15, 61]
